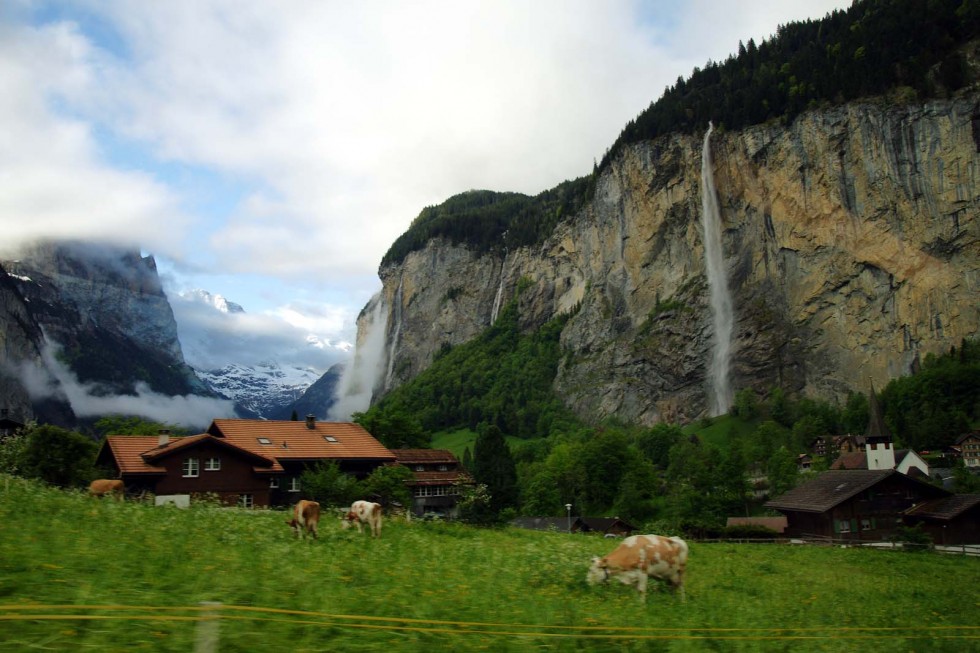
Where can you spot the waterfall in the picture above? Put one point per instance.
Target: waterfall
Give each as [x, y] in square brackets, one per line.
[362, 374]
[397, 318]
[721, 301]
[500, 293]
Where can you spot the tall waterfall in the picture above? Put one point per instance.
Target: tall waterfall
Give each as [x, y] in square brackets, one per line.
[396, 314]
[363, 373]
[495, 310]
[721, 301]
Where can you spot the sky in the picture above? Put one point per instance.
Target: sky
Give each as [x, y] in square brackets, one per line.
[271, 152]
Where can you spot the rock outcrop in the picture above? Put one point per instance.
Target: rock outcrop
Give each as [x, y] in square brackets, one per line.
[852, 244]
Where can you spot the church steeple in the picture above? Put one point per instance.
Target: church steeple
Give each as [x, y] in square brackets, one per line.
[878, 439]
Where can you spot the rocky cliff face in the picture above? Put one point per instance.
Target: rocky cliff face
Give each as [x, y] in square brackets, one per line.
[106, 309]
[20, 345]
[852, 245]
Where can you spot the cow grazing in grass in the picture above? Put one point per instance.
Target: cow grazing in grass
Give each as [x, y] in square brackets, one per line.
[106, 486]
[306, 516]
[640, 557]
[364, 512]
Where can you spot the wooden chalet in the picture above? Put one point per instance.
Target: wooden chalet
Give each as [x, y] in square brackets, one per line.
[437, 477]
[852, 504]
[948, 520]
[244, 462]
[8, 426]
[969, 448]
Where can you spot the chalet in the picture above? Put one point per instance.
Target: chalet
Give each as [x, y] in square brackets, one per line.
[969, 448]
[437, 477]
[244, 462]
[948, 520]
[852, 504]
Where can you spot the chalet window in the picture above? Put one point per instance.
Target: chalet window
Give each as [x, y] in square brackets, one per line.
[329, 438]
[443, 468]
[294, 484]
[192, 468]
[244, 500]
[274, 483]
[433, 490]
[264, 440]
[420, 468]
[843, 526]
[212, 465]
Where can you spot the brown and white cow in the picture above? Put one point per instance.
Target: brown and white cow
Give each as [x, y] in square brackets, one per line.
[306, 516]
[106, 486]
[364, 512]
[640, 557]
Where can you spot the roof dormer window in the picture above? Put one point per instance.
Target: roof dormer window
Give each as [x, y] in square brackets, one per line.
[264, 440]
[329, 438]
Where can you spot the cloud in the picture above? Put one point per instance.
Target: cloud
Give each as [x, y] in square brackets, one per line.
[56, 380]
[306, 336]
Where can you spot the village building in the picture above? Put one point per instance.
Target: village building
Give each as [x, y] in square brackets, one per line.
[240, 461]
[8, 426]
[948, 520]
[968, 445]
[853, 504]
[437, 477]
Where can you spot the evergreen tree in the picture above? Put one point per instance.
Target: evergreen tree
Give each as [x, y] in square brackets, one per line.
[59, 456]
[493, 466]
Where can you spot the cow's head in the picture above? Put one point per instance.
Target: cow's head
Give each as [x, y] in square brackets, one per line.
[347, 519]
[598, 571]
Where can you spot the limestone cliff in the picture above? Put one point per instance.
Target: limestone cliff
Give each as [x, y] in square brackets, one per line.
[851, 239]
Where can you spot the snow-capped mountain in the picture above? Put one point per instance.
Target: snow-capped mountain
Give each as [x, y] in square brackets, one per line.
[266, 389]
[260, 361]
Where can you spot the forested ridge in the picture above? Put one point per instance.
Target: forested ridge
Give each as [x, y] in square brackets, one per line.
[909, 50]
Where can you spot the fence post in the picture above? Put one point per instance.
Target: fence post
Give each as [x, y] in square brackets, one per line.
[208, 628]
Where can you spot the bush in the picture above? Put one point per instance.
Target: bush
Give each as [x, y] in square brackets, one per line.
[912, 538]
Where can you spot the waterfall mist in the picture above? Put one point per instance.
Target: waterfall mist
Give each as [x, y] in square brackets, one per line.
[722, 317]
[397, 317]
[363, 373]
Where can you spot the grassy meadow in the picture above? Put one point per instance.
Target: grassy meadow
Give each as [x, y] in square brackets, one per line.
[81, 574]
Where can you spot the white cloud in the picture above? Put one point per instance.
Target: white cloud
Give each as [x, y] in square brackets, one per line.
[86, 399]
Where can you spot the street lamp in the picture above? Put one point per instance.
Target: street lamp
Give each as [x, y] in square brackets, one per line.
[568, 509]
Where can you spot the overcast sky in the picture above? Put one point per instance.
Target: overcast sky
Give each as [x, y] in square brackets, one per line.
[271, 152]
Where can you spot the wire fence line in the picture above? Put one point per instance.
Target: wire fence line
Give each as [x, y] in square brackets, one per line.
[209, 615]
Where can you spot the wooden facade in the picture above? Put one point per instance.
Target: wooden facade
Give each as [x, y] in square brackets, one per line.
[852, 504]
[437, 476]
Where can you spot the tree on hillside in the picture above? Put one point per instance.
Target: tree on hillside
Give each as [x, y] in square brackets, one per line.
[133, 425]
[58, 456]
[388, 485]
[395, 429]
[325, 483]
[493, 466]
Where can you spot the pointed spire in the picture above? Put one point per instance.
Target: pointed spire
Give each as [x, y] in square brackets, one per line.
[877, 429]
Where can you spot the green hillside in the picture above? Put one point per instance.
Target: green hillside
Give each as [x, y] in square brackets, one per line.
[81, 574]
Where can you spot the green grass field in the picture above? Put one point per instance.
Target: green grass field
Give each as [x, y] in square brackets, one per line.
[80, 574]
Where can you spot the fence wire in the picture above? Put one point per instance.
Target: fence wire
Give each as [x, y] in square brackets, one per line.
[212, 613]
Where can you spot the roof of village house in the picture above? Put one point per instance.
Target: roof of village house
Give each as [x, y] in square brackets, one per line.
[138, 454]
[833, 487]
[427, 456]
[441, 478]
[972, 434]
[859, 459]
[296, 440]
[945, 508]
[602, 524]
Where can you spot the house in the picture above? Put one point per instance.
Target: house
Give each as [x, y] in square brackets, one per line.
[244, 462]
[852, 504]
[948, 520]
[604, 525]
[437, 477]
[804, 462]
[969, 448]
[905, 460]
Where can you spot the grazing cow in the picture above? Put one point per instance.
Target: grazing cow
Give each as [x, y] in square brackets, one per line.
[103, 486]
[306, 516]
[640, 557]
[364, 512]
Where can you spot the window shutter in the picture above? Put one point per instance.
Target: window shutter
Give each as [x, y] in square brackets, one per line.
[854, 525]
[837, 526]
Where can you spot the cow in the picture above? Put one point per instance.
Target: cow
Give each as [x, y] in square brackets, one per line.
[106, 486]
[306, 516]
[364, 512]
[640, 557]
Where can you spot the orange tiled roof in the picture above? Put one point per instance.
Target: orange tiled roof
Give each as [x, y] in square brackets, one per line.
[431, 456]
[294, 440]
[138, 454]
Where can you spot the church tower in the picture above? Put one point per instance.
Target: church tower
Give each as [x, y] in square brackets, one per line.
[878, 440]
